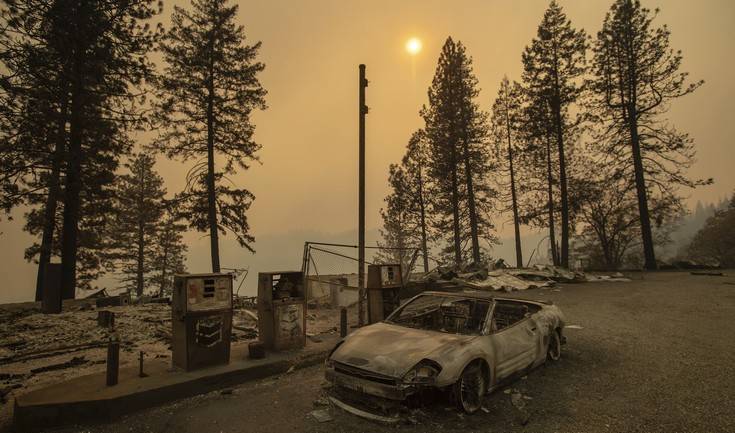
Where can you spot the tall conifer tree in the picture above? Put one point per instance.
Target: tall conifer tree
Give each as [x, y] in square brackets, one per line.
[553, 68]
[208, 90]
[459, 158]
[636, 76]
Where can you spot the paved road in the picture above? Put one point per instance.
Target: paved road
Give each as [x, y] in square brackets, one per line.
[653, 355]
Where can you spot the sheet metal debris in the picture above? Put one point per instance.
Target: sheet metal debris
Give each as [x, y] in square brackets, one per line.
[499, 277]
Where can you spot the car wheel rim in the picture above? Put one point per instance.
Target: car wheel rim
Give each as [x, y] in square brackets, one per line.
[472, 389]
[555, 347]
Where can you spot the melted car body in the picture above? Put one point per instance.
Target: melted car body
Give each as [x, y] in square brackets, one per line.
[433, 339]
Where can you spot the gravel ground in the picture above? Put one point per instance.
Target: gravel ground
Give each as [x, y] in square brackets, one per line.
[652, 355]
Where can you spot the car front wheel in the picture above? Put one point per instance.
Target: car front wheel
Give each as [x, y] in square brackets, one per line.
[469, 391]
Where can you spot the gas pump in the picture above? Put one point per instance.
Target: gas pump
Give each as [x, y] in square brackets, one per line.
[383, 289]
[282, 310]
[201, 307]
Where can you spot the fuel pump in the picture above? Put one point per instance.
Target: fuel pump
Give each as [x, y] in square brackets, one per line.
[201, 307]
[383, 286]
[282, 310]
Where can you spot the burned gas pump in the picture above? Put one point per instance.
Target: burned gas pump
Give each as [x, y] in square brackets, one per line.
[384, 284]
[201, 307]
[282, 310]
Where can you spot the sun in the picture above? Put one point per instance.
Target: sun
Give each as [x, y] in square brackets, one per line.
[413, 46]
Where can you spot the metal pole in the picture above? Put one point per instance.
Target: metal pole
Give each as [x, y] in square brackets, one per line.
[113, 361]
[361, 211]
[343, 322]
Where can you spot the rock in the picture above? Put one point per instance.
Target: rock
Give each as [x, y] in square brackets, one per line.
[321, 415]
[321, 401]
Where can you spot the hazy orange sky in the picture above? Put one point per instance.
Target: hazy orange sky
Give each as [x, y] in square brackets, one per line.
[306, 185]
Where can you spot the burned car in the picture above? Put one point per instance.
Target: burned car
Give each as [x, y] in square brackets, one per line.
[462, 343]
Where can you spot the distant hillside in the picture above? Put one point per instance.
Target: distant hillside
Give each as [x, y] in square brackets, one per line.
[688, 227]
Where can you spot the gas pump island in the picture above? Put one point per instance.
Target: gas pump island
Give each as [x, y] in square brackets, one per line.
[201, 308]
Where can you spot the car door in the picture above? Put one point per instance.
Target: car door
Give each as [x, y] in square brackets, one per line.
[514, 347]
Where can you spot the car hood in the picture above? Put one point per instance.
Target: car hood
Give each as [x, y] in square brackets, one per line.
[392, 350]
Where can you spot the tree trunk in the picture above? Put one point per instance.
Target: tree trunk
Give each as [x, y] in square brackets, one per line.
[563, 186]
[422, 209]
[211, 193]
[514, 197]
[73, 184]
[640, 185]
[471, 201]
[550, 180]
[141, 235]
[54, 192]
[164, 265]
[455, 212]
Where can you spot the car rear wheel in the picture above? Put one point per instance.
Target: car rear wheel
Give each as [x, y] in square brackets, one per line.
[469, 391]
[554, 351]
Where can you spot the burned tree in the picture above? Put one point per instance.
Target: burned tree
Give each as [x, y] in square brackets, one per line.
[553, 65]
[635, 78]
[208, 91]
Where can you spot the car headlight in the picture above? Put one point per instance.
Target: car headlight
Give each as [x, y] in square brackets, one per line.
[329, 363]
[423, 372]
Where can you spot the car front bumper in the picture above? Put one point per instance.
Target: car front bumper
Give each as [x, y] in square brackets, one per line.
[399, 391]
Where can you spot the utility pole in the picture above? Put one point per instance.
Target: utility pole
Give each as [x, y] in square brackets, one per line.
[362, 295]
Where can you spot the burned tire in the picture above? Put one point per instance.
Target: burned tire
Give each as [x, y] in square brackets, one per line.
[553, 353]
[469, 391]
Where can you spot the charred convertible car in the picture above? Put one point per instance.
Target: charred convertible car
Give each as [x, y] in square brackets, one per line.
[465, 343]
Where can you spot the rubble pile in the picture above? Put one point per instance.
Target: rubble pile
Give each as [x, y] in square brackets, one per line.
[502, 278]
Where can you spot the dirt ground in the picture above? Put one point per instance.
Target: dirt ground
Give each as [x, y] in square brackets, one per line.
[651, 355]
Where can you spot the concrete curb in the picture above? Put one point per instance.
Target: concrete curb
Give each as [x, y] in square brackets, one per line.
[34, 411]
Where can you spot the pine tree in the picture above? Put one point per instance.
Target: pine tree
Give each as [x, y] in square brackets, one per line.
[400, 234]
[635, 78]
[208, 91]
[458, 153]
[78, 63]
[139, 201]
[506, 127]
[168, 258]
[553, 65]
[406, 217]
[537, 167]
[33, 111]
[414, 163]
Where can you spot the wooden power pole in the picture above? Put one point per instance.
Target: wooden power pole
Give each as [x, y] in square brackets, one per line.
[362, 295]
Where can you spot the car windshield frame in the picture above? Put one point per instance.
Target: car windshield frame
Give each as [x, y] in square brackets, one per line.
[438, 301]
